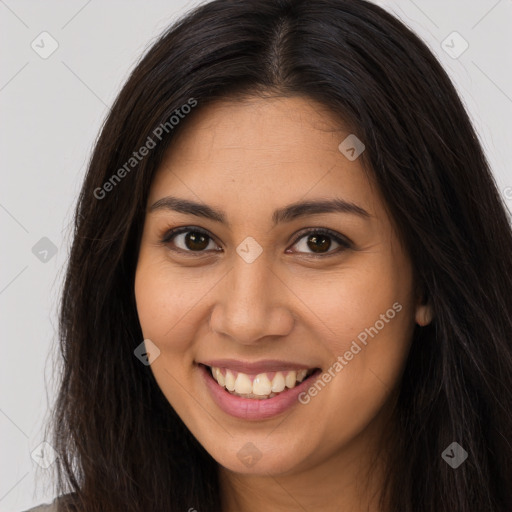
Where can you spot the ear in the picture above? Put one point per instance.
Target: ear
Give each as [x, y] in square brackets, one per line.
[424, 311]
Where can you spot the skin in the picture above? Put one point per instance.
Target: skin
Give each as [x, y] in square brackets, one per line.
[287, 304]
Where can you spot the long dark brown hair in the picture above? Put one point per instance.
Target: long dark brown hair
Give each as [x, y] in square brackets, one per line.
[122, 447]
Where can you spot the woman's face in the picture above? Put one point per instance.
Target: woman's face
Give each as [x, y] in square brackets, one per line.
[260, 294]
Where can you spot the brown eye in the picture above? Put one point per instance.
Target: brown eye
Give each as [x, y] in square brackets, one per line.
[318, 242]
[315, 242]
[188, 240]
[196, 241]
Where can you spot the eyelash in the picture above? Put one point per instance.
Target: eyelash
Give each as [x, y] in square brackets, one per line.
[343, 242]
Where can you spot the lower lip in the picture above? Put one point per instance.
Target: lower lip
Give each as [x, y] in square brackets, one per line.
[254, 408]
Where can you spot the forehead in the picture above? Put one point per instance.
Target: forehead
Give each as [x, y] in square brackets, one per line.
[271, 127]
[279, 149]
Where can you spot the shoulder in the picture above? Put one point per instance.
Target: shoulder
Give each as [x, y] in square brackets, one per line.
[49, 507]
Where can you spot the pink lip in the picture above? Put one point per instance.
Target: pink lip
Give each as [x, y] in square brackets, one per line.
[265, 366]
[253, 409]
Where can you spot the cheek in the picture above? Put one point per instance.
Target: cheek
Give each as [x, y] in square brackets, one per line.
[367, 313]
[167, 303]
[370, 314]
[355, 301]
[369, 335]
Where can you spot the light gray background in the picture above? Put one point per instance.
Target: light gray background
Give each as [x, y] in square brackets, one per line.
[51, 111]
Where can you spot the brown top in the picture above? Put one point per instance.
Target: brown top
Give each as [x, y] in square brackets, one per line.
[47, 507]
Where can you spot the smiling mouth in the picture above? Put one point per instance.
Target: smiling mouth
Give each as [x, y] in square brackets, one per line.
[258, 386]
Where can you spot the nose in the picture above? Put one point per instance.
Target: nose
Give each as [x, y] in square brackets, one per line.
[251, 304]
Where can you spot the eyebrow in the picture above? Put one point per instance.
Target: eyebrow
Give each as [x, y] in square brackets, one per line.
[281, 215]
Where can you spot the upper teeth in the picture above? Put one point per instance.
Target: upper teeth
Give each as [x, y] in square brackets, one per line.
[260, 385]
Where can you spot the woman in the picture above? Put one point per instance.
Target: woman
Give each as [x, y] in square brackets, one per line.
[290, 281]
